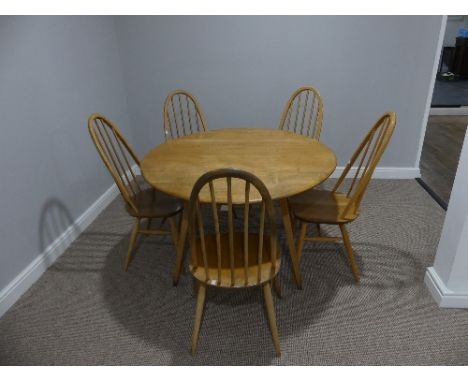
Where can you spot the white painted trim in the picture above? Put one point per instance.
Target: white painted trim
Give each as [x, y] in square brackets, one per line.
[21, 283]
[385, 172]
[449, 111]
[444, 297]
[431, 88]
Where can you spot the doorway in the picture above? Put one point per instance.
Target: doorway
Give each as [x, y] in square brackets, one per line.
[448, 116]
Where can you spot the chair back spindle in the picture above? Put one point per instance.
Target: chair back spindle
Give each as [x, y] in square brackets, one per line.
[232, 254]
[182, 115]
[303, 113]
[366, 158]
[117, 156]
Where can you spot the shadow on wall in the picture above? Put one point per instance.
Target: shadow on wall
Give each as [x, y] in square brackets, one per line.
[57, 229]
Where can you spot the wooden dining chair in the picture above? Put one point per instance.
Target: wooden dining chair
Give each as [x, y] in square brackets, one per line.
[303, 113]
[182, 115]
[233, 258]
[141, 200]
[340, 205]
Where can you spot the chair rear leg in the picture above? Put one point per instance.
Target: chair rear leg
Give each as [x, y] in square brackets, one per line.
[131, 244]
[198, 315]
[271, 316]
[302, 235]
[349, 249]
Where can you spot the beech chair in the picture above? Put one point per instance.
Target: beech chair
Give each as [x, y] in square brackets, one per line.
[225, 258]
[340, 208]
[182, 115]
[303, 113]
[141, 200]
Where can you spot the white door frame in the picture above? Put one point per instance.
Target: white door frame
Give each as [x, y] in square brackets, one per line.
[447, 279]
[430, 90]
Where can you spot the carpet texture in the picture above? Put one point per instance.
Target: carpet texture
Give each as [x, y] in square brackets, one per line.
[86, 311]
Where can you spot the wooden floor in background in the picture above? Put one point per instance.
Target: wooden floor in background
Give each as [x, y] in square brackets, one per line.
[441, 151]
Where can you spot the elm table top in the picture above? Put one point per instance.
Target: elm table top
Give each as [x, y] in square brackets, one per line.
[287, 163]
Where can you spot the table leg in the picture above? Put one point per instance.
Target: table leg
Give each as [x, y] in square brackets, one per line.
[290, 237]
[181, 245]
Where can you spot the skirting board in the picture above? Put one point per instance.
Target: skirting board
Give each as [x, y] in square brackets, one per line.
[444, 297]
[21, 283]
[385, 172]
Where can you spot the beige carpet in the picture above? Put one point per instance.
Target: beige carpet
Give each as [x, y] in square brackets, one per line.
[85, 310]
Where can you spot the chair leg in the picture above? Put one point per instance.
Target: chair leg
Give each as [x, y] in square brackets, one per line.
[271, 316]
[277, 286]
[349, 249]
[293, 224]
[173, 226]
[180, 245]
[131, 244]
[302, 235]
[198, 315]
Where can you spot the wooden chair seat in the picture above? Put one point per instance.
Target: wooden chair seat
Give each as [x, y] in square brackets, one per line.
[266, 273]
[141, 200]
[335, 206]
[321, 206]
[221, 256]
[152, 203]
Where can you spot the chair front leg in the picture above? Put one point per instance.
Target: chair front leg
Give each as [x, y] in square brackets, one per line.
[302, 235]
[173, 227]
[290, 238]
[271, 316]
[349, 249]
[198, 315]
[131, 245]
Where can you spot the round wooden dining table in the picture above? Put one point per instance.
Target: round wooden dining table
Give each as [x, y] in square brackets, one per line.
[287, 163]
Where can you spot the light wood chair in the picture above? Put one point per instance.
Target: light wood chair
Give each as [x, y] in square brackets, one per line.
[182, 115]
[141, 200]
[303, 113]
[340, 208]
[227, 259]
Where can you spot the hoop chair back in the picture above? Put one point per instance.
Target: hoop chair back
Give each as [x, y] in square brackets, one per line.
[303, 113]
[182, 115]
[117, 156]
[224, 257]
[366, 158]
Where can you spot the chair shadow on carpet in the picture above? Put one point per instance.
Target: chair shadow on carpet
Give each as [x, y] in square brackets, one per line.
[235, 329]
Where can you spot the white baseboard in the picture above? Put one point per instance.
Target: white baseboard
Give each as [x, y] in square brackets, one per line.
[449, 111]
[21, 283]
[444, 297]
[386, 172]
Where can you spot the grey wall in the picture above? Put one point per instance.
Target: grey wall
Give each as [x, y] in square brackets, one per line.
[243, 69]
[54, 72]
